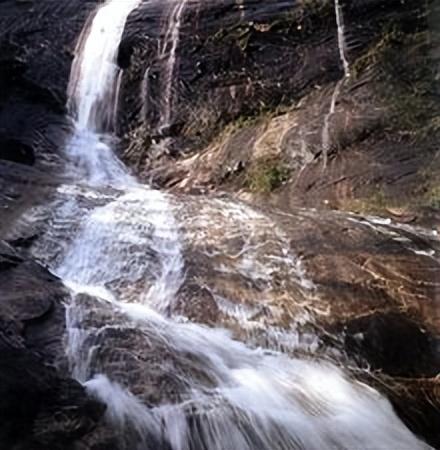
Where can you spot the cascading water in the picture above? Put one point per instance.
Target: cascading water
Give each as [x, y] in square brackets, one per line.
[93, 94]
[94, 80]
[88, 265]
[170, 384]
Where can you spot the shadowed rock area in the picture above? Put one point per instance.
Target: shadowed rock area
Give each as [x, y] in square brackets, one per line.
[37, 42]
[40, 406]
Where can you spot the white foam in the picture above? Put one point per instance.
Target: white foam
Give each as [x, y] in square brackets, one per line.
[94, 76]
[123, 408]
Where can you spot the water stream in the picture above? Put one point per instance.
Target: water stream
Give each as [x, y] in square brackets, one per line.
[342, 44]
[169, 53]
[170, 383]
[342, 47]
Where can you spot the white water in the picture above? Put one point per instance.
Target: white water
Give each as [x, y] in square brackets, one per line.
[169, 51]
[93, 86]
[126, 255]
[260, 400]
[93, 95]
[131, 239]
[135, 221]
[144, 93]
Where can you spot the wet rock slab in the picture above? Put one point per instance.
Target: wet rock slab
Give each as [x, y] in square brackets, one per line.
[361, 291]
[366, 287]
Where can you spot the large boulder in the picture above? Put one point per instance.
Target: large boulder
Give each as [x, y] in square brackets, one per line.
[40, 405]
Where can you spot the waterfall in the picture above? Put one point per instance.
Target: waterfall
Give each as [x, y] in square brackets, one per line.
[94, 80]
[93, 95]
[144, 93]
[88, 265]
[255, 399]
[169, 51]
[170, 383]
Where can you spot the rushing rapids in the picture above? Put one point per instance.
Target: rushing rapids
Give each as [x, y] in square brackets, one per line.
[123, 249]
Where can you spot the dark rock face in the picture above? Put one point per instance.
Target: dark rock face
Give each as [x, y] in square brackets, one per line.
[40, 406]
[240, 60]
[260, 103]
[408, 371]
[37, 42]
[238, 57]
[378, 338]
[16, 151]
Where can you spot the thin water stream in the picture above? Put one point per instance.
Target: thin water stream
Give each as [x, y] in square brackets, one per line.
[169, 53]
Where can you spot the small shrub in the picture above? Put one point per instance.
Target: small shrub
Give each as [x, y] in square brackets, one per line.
[266, 174]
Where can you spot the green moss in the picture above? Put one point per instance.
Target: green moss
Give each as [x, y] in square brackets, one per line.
[381, 204]
[374, 204]
[388, 52]
[245, 122]
[426, 195]
[376, 54]
[401, 65]
[431, 128]
[298, 17]
[266, 174]
[409, 110]
[432, 196]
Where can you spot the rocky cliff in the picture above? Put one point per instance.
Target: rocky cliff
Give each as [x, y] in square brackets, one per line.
[261, 103]
[249, 86]
[40, 406]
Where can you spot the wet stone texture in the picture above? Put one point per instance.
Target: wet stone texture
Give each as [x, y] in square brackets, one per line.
[356, 290]
[365, 287]
[268, 127]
